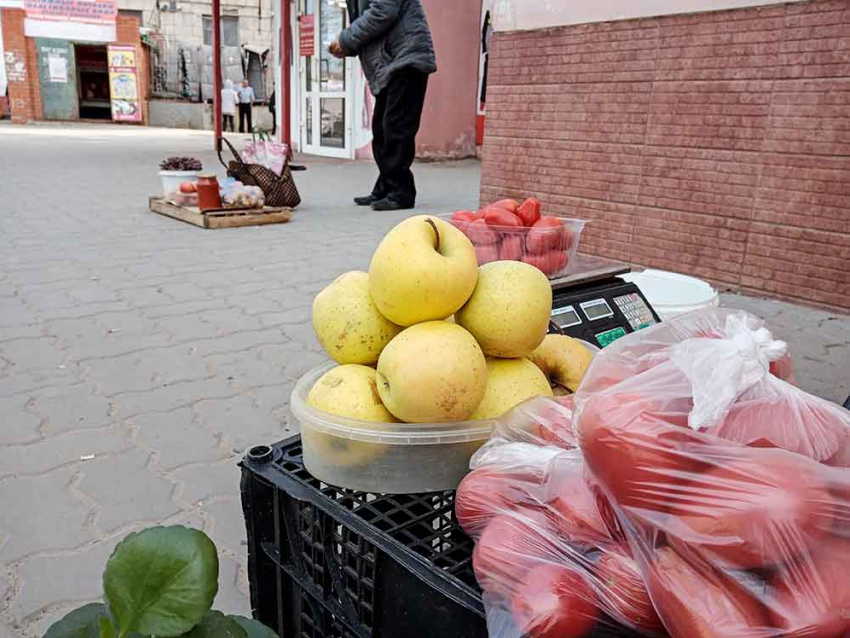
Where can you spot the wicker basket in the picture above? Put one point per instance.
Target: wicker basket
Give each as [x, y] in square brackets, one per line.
[279, 190]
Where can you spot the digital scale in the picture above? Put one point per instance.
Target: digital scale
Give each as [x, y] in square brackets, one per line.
[593, 304]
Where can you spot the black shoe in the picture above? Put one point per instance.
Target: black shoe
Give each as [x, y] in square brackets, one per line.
[368, 200]
[390, 203]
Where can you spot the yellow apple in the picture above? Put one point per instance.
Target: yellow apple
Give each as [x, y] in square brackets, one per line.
[563, 360]
[347, 322]
[509, 383]
[432, 372]
[508, 313]
[423, 270]
[349, 391]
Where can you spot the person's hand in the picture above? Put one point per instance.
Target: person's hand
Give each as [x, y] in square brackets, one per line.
[335, 49]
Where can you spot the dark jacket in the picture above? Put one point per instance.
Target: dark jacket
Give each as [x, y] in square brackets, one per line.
[388, 35]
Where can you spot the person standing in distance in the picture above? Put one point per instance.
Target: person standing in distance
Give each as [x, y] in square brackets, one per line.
[246, 103]
[396, 50]
[229, 98]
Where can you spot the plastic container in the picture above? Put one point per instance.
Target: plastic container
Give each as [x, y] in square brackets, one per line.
[331, 563]
[171, 180]
[393, 458]
[672, 294]
[552, 250]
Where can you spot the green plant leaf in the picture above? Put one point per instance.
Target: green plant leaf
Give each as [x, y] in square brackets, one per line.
[105, 629]
[161, 581]
[80, 623]
[254, 628]
[215, 624]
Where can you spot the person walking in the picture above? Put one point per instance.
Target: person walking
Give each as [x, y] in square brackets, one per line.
[246, 103]
[273, 111]
[229, 98]
[396, 50]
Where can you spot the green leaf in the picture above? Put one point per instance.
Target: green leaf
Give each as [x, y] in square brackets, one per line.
[216, 625]
[80, 623]
[105, 628]
[254, 628]
[161, 581]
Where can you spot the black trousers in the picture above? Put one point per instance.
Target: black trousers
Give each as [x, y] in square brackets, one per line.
[274, 121]
[245, 113]
[225, 120]
[395, 122]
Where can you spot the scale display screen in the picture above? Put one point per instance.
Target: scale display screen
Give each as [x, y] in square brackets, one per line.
[610, 336]
[597, 309]
[566, 317]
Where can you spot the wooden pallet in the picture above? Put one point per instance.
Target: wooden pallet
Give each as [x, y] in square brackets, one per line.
[224, 218]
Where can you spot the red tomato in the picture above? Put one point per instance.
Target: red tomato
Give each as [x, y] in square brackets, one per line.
[508, 204]
[622, 590]
[484, 494]
[812, 596]
[631, 445]
[550, 263]
[554, 602]
[572, 504]
[546, 234]
[480, 234]
[759, 509]
[463, 216]
[510, 545]
[529, 211]
[555, 424]
[188, 187]
[486, 254]
[842, 456]
[479, 214]
[501, 217]
[512, 247]
[701, 604]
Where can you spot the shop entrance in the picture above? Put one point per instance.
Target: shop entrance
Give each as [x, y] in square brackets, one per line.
[93, 82]
[325, 83]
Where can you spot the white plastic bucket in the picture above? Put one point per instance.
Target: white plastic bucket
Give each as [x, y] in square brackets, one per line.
[672, 294]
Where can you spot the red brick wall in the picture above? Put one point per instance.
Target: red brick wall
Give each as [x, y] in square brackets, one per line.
[25, 97]
[715, 144]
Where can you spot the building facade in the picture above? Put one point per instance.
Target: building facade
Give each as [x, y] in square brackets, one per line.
[701, 136]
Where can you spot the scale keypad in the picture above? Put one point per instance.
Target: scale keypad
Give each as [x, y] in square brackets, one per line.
[635, 310]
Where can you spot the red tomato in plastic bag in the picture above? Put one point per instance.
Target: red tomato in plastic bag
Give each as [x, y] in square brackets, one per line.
[486, 254]
[762, 508]
[548, 233]
[464, 217]
[550, 262]
[480, 234]
[572, 505]
[510, 545]
[554, 602]
[501, 217]
[702, 603]
[636, 449]
[484, 494]
[508, 204]
[841, 458]
[622, 589]
[512, 247]
[812, 597]
[555, 426]
[529, 211]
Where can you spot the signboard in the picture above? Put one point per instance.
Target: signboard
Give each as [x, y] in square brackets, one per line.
[307, 34]
[16, 70]
[123, 84]
[90, 20]
[57, 68]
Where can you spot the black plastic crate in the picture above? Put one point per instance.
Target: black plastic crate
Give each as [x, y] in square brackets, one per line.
[325, 562]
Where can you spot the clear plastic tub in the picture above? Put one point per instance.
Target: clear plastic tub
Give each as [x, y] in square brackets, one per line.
[389, 458]
[551, 249]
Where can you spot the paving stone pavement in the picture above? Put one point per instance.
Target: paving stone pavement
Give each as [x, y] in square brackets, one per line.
[140, 356]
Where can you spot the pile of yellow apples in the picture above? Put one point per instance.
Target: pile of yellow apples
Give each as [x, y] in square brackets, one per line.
[428, 336]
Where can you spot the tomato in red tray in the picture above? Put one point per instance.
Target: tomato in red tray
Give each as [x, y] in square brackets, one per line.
[529, 211]
[501, 217]
[632, 447]
[812, 596]
[512, 247]
[508, 204]
[549, 263]
[762, 508]
[484, 494]
[553, 601]
[510, 545]
[547, 233]
[480, 234]
[702, 603]
[623, 592]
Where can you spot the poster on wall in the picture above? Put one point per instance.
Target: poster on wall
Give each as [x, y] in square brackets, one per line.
[123, 84]
[87, 20]
[57, 67]
[307, 34]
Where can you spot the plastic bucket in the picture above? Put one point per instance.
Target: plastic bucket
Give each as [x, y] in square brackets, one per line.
[672, 294]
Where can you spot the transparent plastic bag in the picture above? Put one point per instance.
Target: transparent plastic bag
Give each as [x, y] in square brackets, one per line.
[235, 194]
[692, 495]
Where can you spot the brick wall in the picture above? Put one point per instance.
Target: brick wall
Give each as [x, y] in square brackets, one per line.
[127, 32]
[716, 144]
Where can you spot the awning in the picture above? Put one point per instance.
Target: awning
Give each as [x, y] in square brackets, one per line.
[259, 49]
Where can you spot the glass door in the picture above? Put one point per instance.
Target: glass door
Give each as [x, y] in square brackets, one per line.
[325, 126]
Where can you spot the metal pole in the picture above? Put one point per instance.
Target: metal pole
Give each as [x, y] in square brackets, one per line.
[216, 47]
[285, 62]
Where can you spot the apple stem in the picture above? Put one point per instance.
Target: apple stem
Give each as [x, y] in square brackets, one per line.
[558, 384]
[554, 326]
[428, 220]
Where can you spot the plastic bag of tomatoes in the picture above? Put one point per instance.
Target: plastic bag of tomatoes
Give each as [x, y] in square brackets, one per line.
[685, 490]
